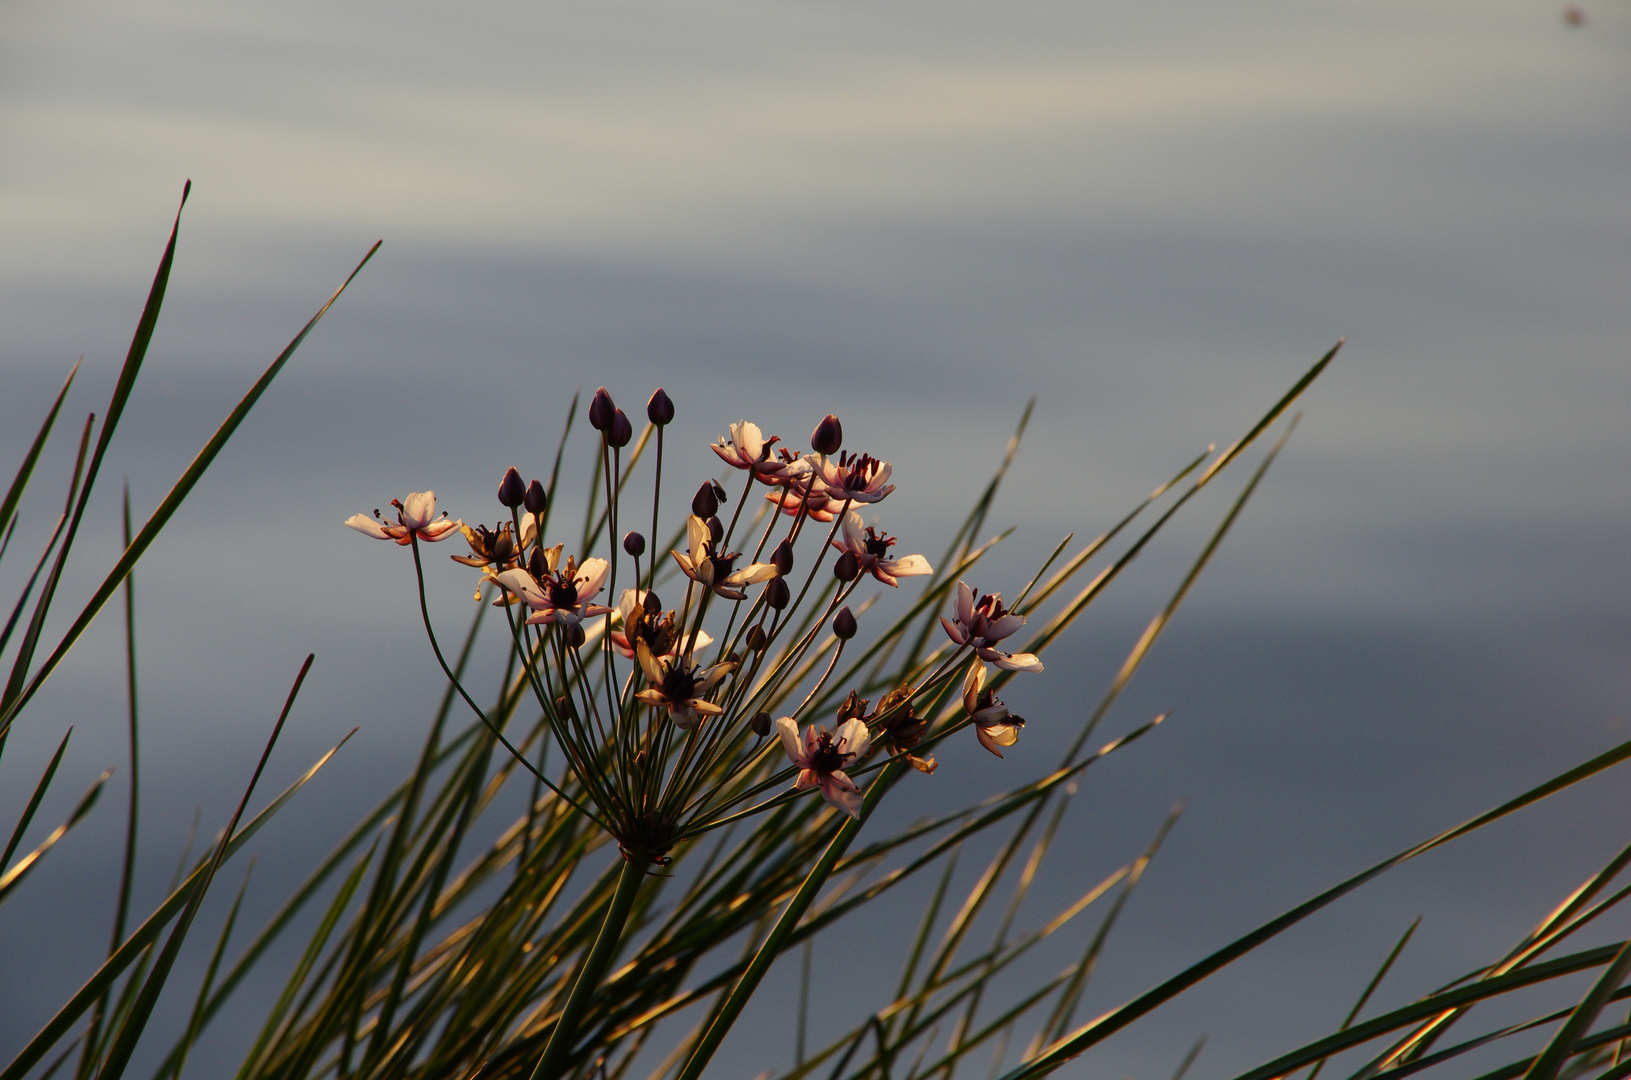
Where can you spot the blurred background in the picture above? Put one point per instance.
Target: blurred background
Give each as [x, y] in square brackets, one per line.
[1150, 217]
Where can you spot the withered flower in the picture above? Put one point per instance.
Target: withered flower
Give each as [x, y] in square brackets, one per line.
[993, 723]
[639, 613]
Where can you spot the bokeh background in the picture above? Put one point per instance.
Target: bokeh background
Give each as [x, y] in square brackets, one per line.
[1151, 217]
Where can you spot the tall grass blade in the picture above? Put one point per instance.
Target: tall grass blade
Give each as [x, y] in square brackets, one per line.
[34, 801]
[19, 483]
[10, 879]
[1370, 988]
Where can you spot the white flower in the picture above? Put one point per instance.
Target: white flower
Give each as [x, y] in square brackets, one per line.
[680, 686]
[855, 478]
[871, 552]
[713, 571]
[747, 448]
[821, 756]
[561, 596]
[416, 517]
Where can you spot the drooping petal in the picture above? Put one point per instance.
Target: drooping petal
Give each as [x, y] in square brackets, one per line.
[992, 736]
[965, 603]
[368, 526]
[697, 538]
[788, 732]
[1023, 661]
[854, 537]
[973, 683]
[752, 574]
[997, 629]
[654, 669]
[906, 566]
[954, 631]
[841, 794]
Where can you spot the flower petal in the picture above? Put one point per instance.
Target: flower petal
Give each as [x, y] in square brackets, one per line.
[973, 683]
[853, 738]
[367, 526]
[788, 731]
[1022, 661]
[419, 509]
[841, 794]
[906, 566]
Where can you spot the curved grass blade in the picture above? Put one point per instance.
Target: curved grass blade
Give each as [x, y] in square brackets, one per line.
[19, 483]
[10, 879]
[34, 801]
[168, 506]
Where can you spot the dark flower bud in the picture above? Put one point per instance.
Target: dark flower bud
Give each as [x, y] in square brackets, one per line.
[634, 544]
[703, 503]
[719, 492]
[782, 558]
[843, 624]
[575, 635]
[756, 639]
[828, 435]
[659, 410]
[564, 709]
[621, 431]
[760, 723]
[512, 489]
[716, 529]
[538, 566]
[653, 606]
[536, 500]
[733, 657]
[777, 593]
[847, 568]
[601, 410]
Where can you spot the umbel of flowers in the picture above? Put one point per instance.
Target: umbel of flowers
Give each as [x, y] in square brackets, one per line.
[658, 676]
[664, 722]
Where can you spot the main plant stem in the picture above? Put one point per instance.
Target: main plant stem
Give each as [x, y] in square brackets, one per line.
[552, 1064]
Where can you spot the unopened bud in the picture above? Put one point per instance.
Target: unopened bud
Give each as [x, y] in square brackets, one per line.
[601, 410]
[716, 529]
[847, 568]
[828, 435]
[538, 566]
[536, 500]
[703, 504]
[760, 723]
[512, 489]
[634, 544]
[782, 558]
[653, 606]
[776, 593]
[756, 639]
[503, 547]
[659, 410]
[733, 657]
[564, 709]
[621, 431]
[843, 624]
[575, 635]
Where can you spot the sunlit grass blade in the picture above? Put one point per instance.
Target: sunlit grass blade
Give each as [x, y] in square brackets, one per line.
[13, 877]
[40, 789]
[1550, 1061]
[195, 1021]
[168, 506]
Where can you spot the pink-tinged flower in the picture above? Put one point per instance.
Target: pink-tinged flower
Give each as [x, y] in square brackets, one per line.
[747, 448]
[871, 551]
[714, 571]
[993, 723]
[821, 756]
[490, 548]
[856, 478]
[416, 517]
[679, 685]
[646, 620]
[560, 596]
[980, 622]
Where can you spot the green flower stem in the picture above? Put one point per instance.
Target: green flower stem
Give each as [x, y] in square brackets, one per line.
[796, 907]
[553, 1063]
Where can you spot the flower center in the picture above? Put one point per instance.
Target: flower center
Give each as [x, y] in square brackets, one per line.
[680, 684]
[878, 546]
[563, 593]
[826, 757]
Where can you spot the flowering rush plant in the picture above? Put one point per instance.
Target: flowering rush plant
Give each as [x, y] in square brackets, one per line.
[664, 710]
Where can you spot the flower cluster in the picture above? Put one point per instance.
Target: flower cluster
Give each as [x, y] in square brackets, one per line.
[664, 724]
